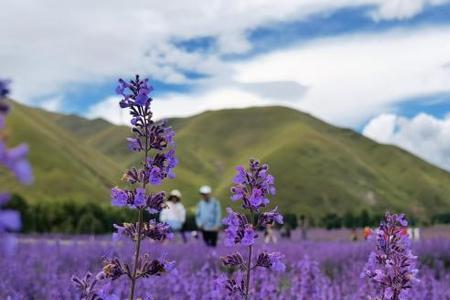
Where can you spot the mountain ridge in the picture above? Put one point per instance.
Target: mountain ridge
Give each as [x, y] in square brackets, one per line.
[319, 168]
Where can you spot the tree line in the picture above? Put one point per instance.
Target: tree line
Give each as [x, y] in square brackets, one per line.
[96, 218]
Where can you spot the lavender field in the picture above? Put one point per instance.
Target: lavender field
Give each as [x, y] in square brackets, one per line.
[328, 267]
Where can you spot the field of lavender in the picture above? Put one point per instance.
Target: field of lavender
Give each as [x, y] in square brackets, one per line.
[41, 268]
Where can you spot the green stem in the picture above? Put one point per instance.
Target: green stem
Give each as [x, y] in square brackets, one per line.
[140, 220]
[136, 256]
[249, 260]
[249, 263]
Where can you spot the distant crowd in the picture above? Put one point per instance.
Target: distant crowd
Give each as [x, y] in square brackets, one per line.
[208, 219]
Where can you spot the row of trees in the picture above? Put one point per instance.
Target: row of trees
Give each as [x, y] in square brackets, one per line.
[90, 217]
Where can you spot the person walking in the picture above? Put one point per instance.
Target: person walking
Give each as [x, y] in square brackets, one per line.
[208, 216]
[175, 213]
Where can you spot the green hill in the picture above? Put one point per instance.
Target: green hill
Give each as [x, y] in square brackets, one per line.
[64, 167]
[319, 168]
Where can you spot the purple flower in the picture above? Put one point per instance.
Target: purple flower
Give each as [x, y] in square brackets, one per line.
[15, 160]
[276, 262]
[252, 186]
[153, 267]
[155, 176]
[237, 229]
[119, 197]
[155, 202]
[257, 199]
[142, 97]
[238, 193]
[161, 166]
[271, 261]
[249, 235]
[157, 231]
[4, 198]
[4, 88]
[86, 286]
[112, 268]
[135, 93]
[9, 220]
[234, 259]
[241, 176]
[270, 217]
[392, 266]
[156, 140]
[134, 144]
[152, 230]
[121, 87]
[139, 197]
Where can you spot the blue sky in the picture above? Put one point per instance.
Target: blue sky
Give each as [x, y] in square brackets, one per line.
[379, 67]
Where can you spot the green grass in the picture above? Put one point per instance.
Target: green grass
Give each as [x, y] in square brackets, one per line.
[319, 168]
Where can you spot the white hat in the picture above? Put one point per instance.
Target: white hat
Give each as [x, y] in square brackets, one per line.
[205, 189]
[175, 193]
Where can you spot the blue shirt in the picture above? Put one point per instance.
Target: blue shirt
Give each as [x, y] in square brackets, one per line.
[209, 214]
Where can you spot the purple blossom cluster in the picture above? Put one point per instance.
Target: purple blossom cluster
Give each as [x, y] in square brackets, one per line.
[13, 159]
[252, 187]
[392, 266]
[156, 141]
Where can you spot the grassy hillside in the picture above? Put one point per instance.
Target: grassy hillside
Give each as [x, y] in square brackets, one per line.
[63, 167]
[319, 168]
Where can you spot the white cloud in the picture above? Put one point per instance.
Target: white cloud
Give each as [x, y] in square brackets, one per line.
[186, 105]
[176, 105]
[344, 80]
[351, 78]
[402, 9]
[49, 45]
[109, 110]
[424, 135]
[53, 104]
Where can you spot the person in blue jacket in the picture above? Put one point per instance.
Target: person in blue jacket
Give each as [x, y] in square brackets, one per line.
[208, 216]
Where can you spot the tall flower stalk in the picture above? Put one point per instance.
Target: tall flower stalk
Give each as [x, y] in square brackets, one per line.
[251, 186]
[13, 159]
[155, 141]
[392, 266]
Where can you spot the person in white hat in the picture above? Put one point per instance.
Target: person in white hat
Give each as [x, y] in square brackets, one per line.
[175, 213]
[208, 216]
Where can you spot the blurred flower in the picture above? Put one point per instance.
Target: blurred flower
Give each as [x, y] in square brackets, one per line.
[152, 267]
[271, 261]
[152, 230]
[249, 235]
[155, 202]
[112, 269]
[236, 228]
[9, 220]
[309, 281]
[4, 88]
[392, 266]
[234, 259]
[119, 197]
[86, 287]
[134, 144]
[14, 159]
[270, 217]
